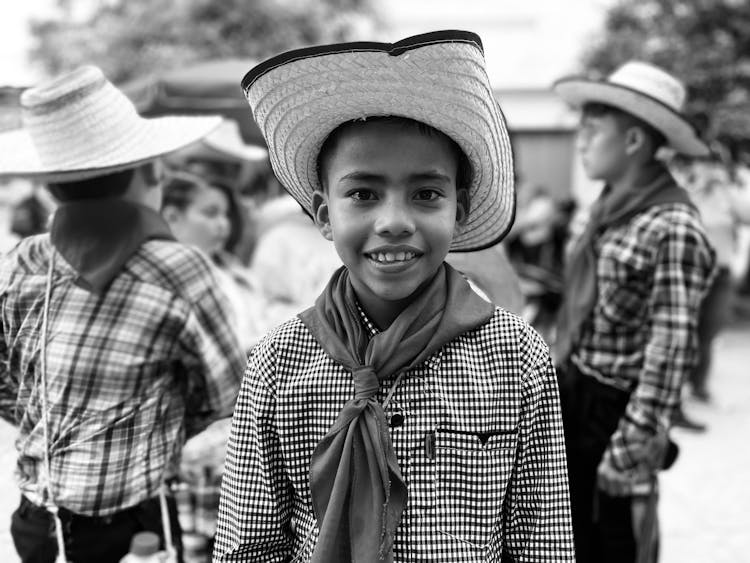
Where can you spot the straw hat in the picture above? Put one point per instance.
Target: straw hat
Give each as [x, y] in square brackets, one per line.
[227, 140]
[80, 126]
[645, 91]
[439, 78]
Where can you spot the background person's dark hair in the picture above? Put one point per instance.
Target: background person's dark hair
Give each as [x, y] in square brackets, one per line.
[463, 168]
[626, 121]
[114, 184]
[179, 192]
[29, 217]
[100, 187]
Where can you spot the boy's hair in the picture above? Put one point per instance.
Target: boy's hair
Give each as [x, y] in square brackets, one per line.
[625, 121]
[463, 168]
[114, 184]
[100, 187]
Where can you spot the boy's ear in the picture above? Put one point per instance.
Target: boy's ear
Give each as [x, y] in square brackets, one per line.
[462, 206]
[320, 214]
[635, 138]
[170, 213]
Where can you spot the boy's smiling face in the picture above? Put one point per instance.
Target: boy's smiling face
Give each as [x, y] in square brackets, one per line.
[390, 206]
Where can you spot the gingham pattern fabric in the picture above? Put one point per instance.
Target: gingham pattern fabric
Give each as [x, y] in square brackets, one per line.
[652, 275]
[481, 449]
[130, 372]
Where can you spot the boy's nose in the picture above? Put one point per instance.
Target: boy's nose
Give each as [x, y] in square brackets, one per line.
[223, 226]
[394, 219]
[582, 141]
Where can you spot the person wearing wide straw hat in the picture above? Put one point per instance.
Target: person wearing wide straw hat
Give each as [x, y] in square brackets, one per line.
[402, 417]
[635, 279]
[114, 343]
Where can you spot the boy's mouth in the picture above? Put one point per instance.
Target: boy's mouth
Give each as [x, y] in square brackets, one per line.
[391, 257]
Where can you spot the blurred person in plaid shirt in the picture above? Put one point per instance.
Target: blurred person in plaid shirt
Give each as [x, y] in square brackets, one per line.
[115, 345]
[635, 280]
[402, 417]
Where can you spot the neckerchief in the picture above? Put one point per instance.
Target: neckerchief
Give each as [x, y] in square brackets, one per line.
[654, 186]
[357, 489]
[97, 237]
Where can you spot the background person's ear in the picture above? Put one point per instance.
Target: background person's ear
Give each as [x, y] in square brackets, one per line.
[462, 206]
[170, 213]
[320, 214]
[635, 138]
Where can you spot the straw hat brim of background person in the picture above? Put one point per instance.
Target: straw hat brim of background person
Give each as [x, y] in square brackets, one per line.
[298, 98]
[80, 126]
[227, 141]
[653, 96]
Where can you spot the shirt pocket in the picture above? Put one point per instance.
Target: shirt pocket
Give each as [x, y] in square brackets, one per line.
[472, 472]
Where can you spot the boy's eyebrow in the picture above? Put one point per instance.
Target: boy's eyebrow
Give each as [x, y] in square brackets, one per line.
[426, 176]
[417, 177]
[363, 176]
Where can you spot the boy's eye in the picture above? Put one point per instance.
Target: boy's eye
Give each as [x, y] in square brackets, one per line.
[427, 194]
[362, 195]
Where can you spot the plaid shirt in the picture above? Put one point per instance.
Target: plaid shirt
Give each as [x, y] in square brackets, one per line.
[652, 274]
[480, 447]
[130, 372]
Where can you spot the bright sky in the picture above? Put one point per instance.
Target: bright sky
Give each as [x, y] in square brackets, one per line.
[15, 69]
[527, 42]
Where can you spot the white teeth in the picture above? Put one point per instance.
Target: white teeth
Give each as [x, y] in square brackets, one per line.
[389, 257]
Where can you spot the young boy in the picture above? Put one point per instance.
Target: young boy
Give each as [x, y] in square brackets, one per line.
[402, 418]
[635, 281]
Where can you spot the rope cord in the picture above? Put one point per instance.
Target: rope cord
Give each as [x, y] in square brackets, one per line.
[46, 486]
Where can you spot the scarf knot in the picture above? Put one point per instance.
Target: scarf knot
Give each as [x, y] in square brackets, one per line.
[366, 383]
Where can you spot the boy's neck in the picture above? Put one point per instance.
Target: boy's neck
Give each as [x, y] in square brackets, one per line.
[628, 180]
[383, 314]
[383, 317]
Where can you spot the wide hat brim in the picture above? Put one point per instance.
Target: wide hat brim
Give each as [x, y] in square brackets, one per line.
[298, 98]
[227, 141]
[679, 132]
[151, 139]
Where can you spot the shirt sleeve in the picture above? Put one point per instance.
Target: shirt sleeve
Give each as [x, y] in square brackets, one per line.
[538, 526]
[256, 499]
[8, 384]
[214, 360]
[684, 268]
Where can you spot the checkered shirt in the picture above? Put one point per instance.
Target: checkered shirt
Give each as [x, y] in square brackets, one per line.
[481, 449]
[653, 273]
[130, 372]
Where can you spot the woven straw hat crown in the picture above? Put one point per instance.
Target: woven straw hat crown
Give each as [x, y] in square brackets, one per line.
[299, 98]
[80, 125]
[653, 82]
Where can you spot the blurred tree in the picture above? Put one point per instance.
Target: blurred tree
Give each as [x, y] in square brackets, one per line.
[131, 38]
[704, 42]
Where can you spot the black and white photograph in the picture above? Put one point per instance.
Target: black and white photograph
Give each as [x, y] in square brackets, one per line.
[374, 281]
